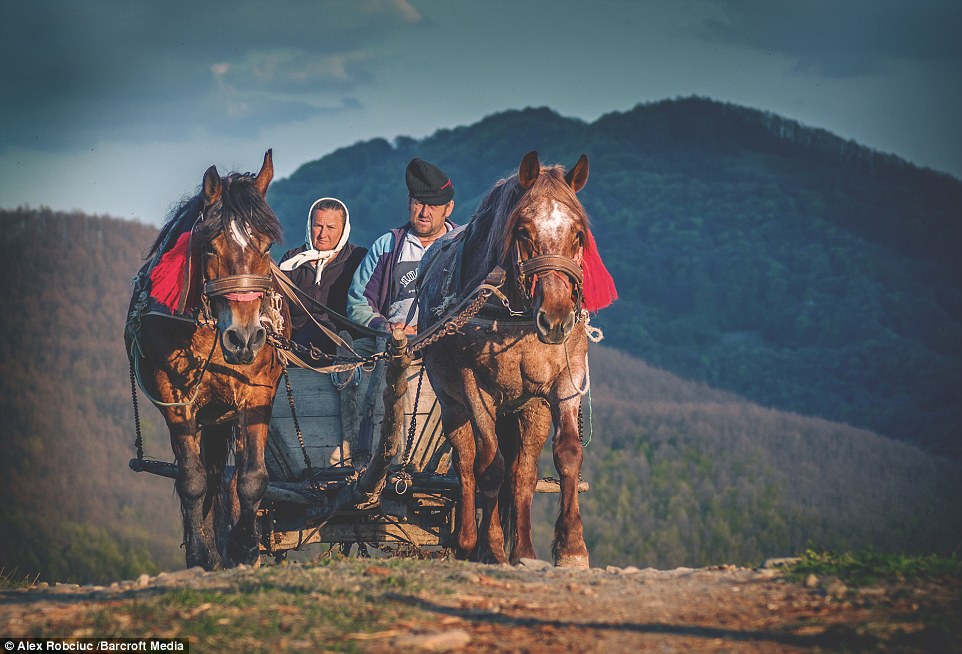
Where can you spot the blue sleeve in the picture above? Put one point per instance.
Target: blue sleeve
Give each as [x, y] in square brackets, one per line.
[362, 298]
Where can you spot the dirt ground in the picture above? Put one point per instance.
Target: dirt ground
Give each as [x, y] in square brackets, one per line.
[358, 605]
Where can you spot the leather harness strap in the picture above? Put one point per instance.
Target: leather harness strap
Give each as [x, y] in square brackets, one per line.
[238, 284]
[551, 263]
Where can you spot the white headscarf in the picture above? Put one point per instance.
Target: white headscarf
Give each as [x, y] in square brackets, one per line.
[322, 257]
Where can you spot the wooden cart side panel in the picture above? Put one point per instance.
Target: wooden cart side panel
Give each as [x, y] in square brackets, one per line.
[318, 407]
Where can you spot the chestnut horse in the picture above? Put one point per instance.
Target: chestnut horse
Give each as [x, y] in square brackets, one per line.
[504, 380]
[214, 379]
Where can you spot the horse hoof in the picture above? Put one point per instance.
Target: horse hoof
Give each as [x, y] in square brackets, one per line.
[207, 561]
[577, 561]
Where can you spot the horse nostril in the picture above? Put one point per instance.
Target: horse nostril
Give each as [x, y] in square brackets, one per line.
[234, 339]
[259, 338]
[543, 323]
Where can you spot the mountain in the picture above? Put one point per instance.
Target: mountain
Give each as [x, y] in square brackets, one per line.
[72, 509]
[680, 473]
[777, 261]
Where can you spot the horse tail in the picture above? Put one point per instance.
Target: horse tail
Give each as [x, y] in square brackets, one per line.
[508, 430]
[217, 446]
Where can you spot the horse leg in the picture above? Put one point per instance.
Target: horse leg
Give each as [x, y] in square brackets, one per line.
[462, 442]
[191, 486]
[491, 547]
[251, 478]
[531, 430]
[479, 464]
[489, 473]
[569, 547]
[215, 445]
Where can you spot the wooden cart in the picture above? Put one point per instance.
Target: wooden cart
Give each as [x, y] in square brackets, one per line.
[346, 467]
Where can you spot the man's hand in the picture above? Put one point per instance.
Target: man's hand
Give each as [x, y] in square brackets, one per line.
[409, 329]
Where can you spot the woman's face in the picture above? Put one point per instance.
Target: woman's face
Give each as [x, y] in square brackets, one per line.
[326, 228]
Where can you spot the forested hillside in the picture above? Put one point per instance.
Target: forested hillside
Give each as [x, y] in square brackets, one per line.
[72, 509]
[780, 262]
[681, 474]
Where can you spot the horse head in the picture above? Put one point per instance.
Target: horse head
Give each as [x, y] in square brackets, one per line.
[549, 231]
[236, 258]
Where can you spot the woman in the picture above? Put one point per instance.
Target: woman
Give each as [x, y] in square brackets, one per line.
[322, 268]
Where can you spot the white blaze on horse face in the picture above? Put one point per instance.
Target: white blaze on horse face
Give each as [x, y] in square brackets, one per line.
[238, 234]
[556, 224]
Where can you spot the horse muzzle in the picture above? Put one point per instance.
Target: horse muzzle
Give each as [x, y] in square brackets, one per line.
[553, 307]
[238, 317]
[553, 331]
[241, 344]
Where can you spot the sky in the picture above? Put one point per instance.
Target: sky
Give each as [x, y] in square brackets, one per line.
[118, 106]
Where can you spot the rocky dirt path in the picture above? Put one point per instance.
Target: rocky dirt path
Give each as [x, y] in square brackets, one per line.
[398, 605]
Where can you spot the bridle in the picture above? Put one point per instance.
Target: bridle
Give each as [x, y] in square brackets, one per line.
[239, 288]
[236, 288]
[565, 268]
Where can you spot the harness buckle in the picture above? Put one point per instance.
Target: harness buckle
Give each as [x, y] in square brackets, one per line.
[496, 277]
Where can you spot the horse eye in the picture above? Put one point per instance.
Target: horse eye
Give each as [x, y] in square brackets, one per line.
[523, 234]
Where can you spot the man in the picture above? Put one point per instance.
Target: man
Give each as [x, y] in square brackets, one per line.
[322, 269]
[383, 289]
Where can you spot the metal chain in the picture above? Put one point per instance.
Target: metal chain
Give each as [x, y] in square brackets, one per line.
[581, 427]
[456, 323]
[409, 446]
[139, 440]
[314, 352]
[297, 428]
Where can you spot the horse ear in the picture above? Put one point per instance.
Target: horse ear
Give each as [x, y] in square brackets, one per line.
[577, 177]
[529, 170]
[266, 174]
[212, 186]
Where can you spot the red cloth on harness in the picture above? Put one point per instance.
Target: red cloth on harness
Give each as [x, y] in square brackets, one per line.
[167, 277]
[599, 287]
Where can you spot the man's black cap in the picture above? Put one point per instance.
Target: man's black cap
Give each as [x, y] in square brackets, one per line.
[428, 183]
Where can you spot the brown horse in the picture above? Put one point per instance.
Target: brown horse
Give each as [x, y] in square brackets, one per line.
[503, 380]
[213, 379]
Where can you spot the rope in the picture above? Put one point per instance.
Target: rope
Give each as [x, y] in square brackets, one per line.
[140, 382]
[594, 335]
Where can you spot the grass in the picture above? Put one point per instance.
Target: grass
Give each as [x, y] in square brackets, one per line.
[865, 568]
[11, 579]
[269, 609]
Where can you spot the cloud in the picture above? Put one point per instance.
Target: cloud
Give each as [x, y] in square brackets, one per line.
[287, 70]
[99, 69]
[842, 39]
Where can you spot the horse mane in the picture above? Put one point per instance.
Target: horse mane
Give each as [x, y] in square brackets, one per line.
[191, 229]
[494, 223]
[492, 230]
[239, 200]
[181, 219]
